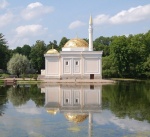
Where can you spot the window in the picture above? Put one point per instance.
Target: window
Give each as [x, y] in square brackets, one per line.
[76, 100]
[67, 63]
[67, 100]
[91, 86]
[77, 63]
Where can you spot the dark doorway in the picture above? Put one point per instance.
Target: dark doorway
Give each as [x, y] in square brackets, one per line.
[91, 86]
[91, 76]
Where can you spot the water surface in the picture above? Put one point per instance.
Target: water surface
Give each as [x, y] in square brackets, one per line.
[119, 110]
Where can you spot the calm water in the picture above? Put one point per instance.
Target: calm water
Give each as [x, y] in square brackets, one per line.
[120, 110]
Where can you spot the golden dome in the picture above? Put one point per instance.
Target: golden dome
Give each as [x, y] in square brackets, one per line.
[52, 51]
[75, 117]
[76, 43]
[52, 111]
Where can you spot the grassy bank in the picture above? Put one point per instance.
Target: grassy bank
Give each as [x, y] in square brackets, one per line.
[125, 79]
[21, 81]
[28, 81]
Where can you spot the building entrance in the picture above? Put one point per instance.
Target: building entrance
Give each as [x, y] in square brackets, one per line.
[91, 76]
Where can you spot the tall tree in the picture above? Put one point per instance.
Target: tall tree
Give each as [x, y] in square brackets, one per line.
[18, 64]
[17, 50]
[4, 52]
[52, 45]
[63, 41]
[108, 67]
[137, 55]
[26, 49]
[37, 55]
[102, 43]
[119, 50]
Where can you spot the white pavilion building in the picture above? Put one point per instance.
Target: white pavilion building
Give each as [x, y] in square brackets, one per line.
[77, 60]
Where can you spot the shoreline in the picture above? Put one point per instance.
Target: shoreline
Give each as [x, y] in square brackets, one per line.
[33, 81]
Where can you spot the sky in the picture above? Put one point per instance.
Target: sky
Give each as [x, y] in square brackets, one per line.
[26, 21]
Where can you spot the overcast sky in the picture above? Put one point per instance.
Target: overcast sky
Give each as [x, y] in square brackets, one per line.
[25, 21]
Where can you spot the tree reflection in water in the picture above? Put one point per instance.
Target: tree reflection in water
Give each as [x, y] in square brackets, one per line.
[130, 99]
[3, 99]
[23, 93]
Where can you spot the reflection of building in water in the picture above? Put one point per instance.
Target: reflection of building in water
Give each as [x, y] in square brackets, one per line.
[77, 102]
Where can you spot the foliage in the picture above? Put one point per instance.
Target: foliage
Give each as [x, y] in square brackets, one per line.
[52, 45]
[18, 64]
[25, 50]
[128, 99]
[147, 67]
[37, 96]
[63, 41]
[123, 56]
[19, 95]
[102, 43]
[23, 93]
[4, 52]
[37, 55]
[130, 54]
[108, 68]
[4, 75]
[3, 99]
[118, 50]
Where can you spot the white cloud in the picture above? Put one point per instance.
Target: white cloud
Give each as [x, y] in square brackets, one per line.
[101, 19]
[36, 9]
[32, 111]
[130, 124]
[27, 34]
[28, 108]
[132, 15]
[3, 4]
[6, 18]
[76, 24]
[30, 30]
[18, 41]
[135, 14]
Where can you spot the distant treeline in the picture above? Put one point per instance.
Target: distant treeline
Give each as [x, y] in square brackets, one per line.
[123, 56]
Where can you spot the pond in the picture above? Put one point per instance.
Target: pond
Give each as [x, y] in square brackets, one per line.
[48, 110]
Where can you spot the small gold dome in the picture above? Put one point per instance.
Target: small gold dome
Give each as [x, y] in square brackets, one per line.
[52, 51]
[77, 118]
[76, 43]
[52, 111]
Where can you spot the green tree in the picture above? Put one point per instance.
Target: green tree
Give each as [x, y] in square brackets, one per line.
[118, 51]
[63, 41]
[4, 52]
[18, 64]
[17, 50]
[108, 68]
[37, 55]
[147, 67]
[137, 55]
[102, 43]
[52, 45]
[26, 49]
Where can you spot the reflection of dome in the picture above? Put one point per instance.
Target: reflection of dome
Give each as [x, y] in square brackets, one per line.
[77, 118]
[76, 43]
[52, 111]
[52, 51]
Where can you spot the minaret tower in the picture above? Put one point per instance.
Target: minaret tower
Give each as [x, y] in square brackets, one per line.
[90, 34]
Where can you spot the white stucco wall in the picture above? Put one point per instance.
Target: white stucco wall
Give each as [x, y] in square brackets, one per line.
[88, 63]
[74, 64]
[52, 66]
